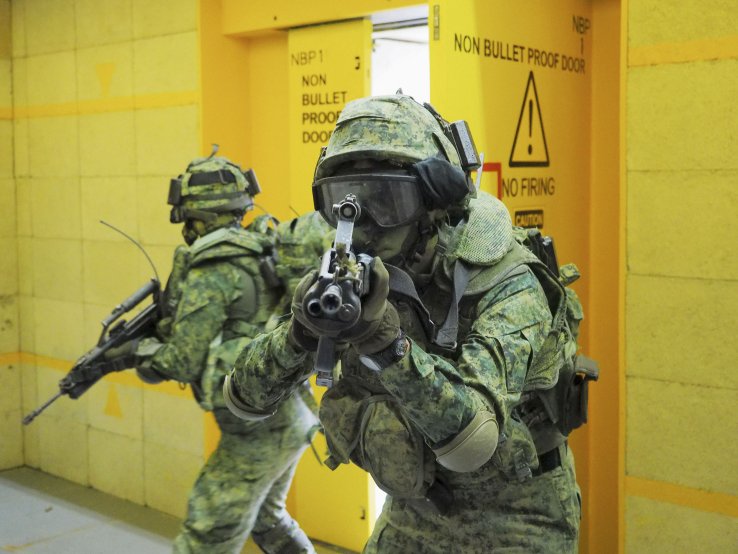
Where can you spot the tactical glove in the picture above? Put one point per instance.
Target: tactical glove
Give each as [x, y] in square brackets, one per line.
[135, 353]
[301, 335]
[377, 327]
[120, 357]
[145, 351]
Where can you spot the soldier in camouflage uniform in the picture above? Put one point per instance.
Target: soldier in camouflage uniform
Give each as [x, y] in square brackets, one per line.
[217, 300]
[450, 385]
[300, 243]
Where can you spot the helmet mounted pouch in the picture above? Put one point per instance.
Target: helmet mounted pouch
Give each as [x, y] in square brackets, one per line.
[252, 186]
[460, 136]
[462, 139]
[175, 191]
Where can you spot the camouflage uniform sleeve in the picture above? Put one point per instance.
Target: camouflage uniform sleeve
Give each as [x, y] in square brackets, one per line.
[269, 369]
[511, 324]
[205, 295]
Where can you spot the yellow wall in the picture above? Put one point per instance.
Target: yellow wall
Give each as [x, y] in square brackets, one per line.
[11, 444]
[107, 104]
[106, 110]
[682, 277]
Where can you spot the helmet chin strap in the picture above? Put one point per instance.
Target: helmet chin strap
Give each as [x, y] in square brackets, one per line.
[188, 233]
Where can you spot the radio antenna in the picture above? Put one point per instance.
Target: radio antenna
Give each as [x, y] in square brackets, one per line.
[134, 241]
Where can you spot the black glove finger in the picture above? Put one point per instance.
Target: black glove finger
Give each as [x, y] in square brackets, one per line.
[301, 336]
[119, 364]
[301, 290]
[372, 306]
[125, 349]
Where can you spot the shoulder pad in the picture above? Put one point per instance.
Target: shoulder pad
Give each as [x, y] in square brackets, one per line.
[487, 242]
[515, 262]
[485, 237]
[228, 242]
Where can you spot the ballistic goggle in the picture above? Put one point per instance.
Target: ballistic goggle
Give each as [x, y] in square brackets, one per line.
[388, 200]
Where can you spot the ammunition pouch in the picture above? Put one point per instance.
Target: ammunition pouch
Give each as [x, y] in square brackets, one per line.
[385, 429]
[439, 499]
[575, 394]
[564, 405]
[516, 454]
[373, 432]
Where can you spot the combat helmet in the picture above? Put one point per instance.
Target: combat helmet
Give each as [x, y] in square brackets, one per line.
[210, 188]
[427, 160]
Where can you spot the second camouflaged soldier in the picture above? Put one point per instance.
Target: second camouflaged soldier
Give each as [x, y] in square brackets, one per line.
[300, 243]
[217, 300]
[456, 388]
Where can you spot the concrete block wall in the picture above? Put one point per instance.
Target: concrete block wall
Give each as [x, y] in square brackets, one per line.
[105, 111]
[682, 277]
[11, 438]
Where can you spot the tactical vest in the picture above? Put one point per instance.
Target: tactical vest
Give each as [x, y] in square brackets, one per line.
[245, 318]
[472, 259]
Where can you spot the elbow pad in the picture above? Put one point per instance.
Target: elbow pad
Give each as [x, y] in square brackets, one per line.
[238, 407]
[473, 447]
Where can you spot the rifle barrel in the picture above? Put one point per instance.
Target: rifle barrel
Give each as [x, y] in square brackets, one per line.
[30, 417]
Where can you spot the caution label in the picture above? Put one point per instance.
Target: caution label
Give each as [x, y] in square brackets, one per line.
[528, 218]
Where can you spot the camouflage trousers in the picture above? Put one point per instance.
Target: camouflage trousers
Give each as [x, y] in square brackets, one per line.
[243, 487]
[539, 515]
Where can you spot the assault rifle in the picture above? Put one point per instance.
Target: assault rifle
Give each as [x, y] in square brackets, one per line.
[335, 298]
[93, 365]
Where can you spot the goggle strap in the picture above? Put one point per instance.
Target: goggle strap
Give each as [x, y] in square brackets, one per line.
[211, 178]
[219, 196]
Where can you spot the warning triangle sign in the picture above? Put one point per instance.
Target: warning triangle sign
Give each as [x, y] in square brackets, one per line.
[529, 147]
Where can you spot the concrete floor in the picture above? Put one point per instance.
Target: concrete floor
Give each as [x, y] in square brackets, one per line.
[42, 514]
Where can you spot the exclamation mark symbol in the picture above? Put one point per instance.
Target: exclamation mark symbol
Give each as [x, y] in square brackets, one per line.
[530, 125]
